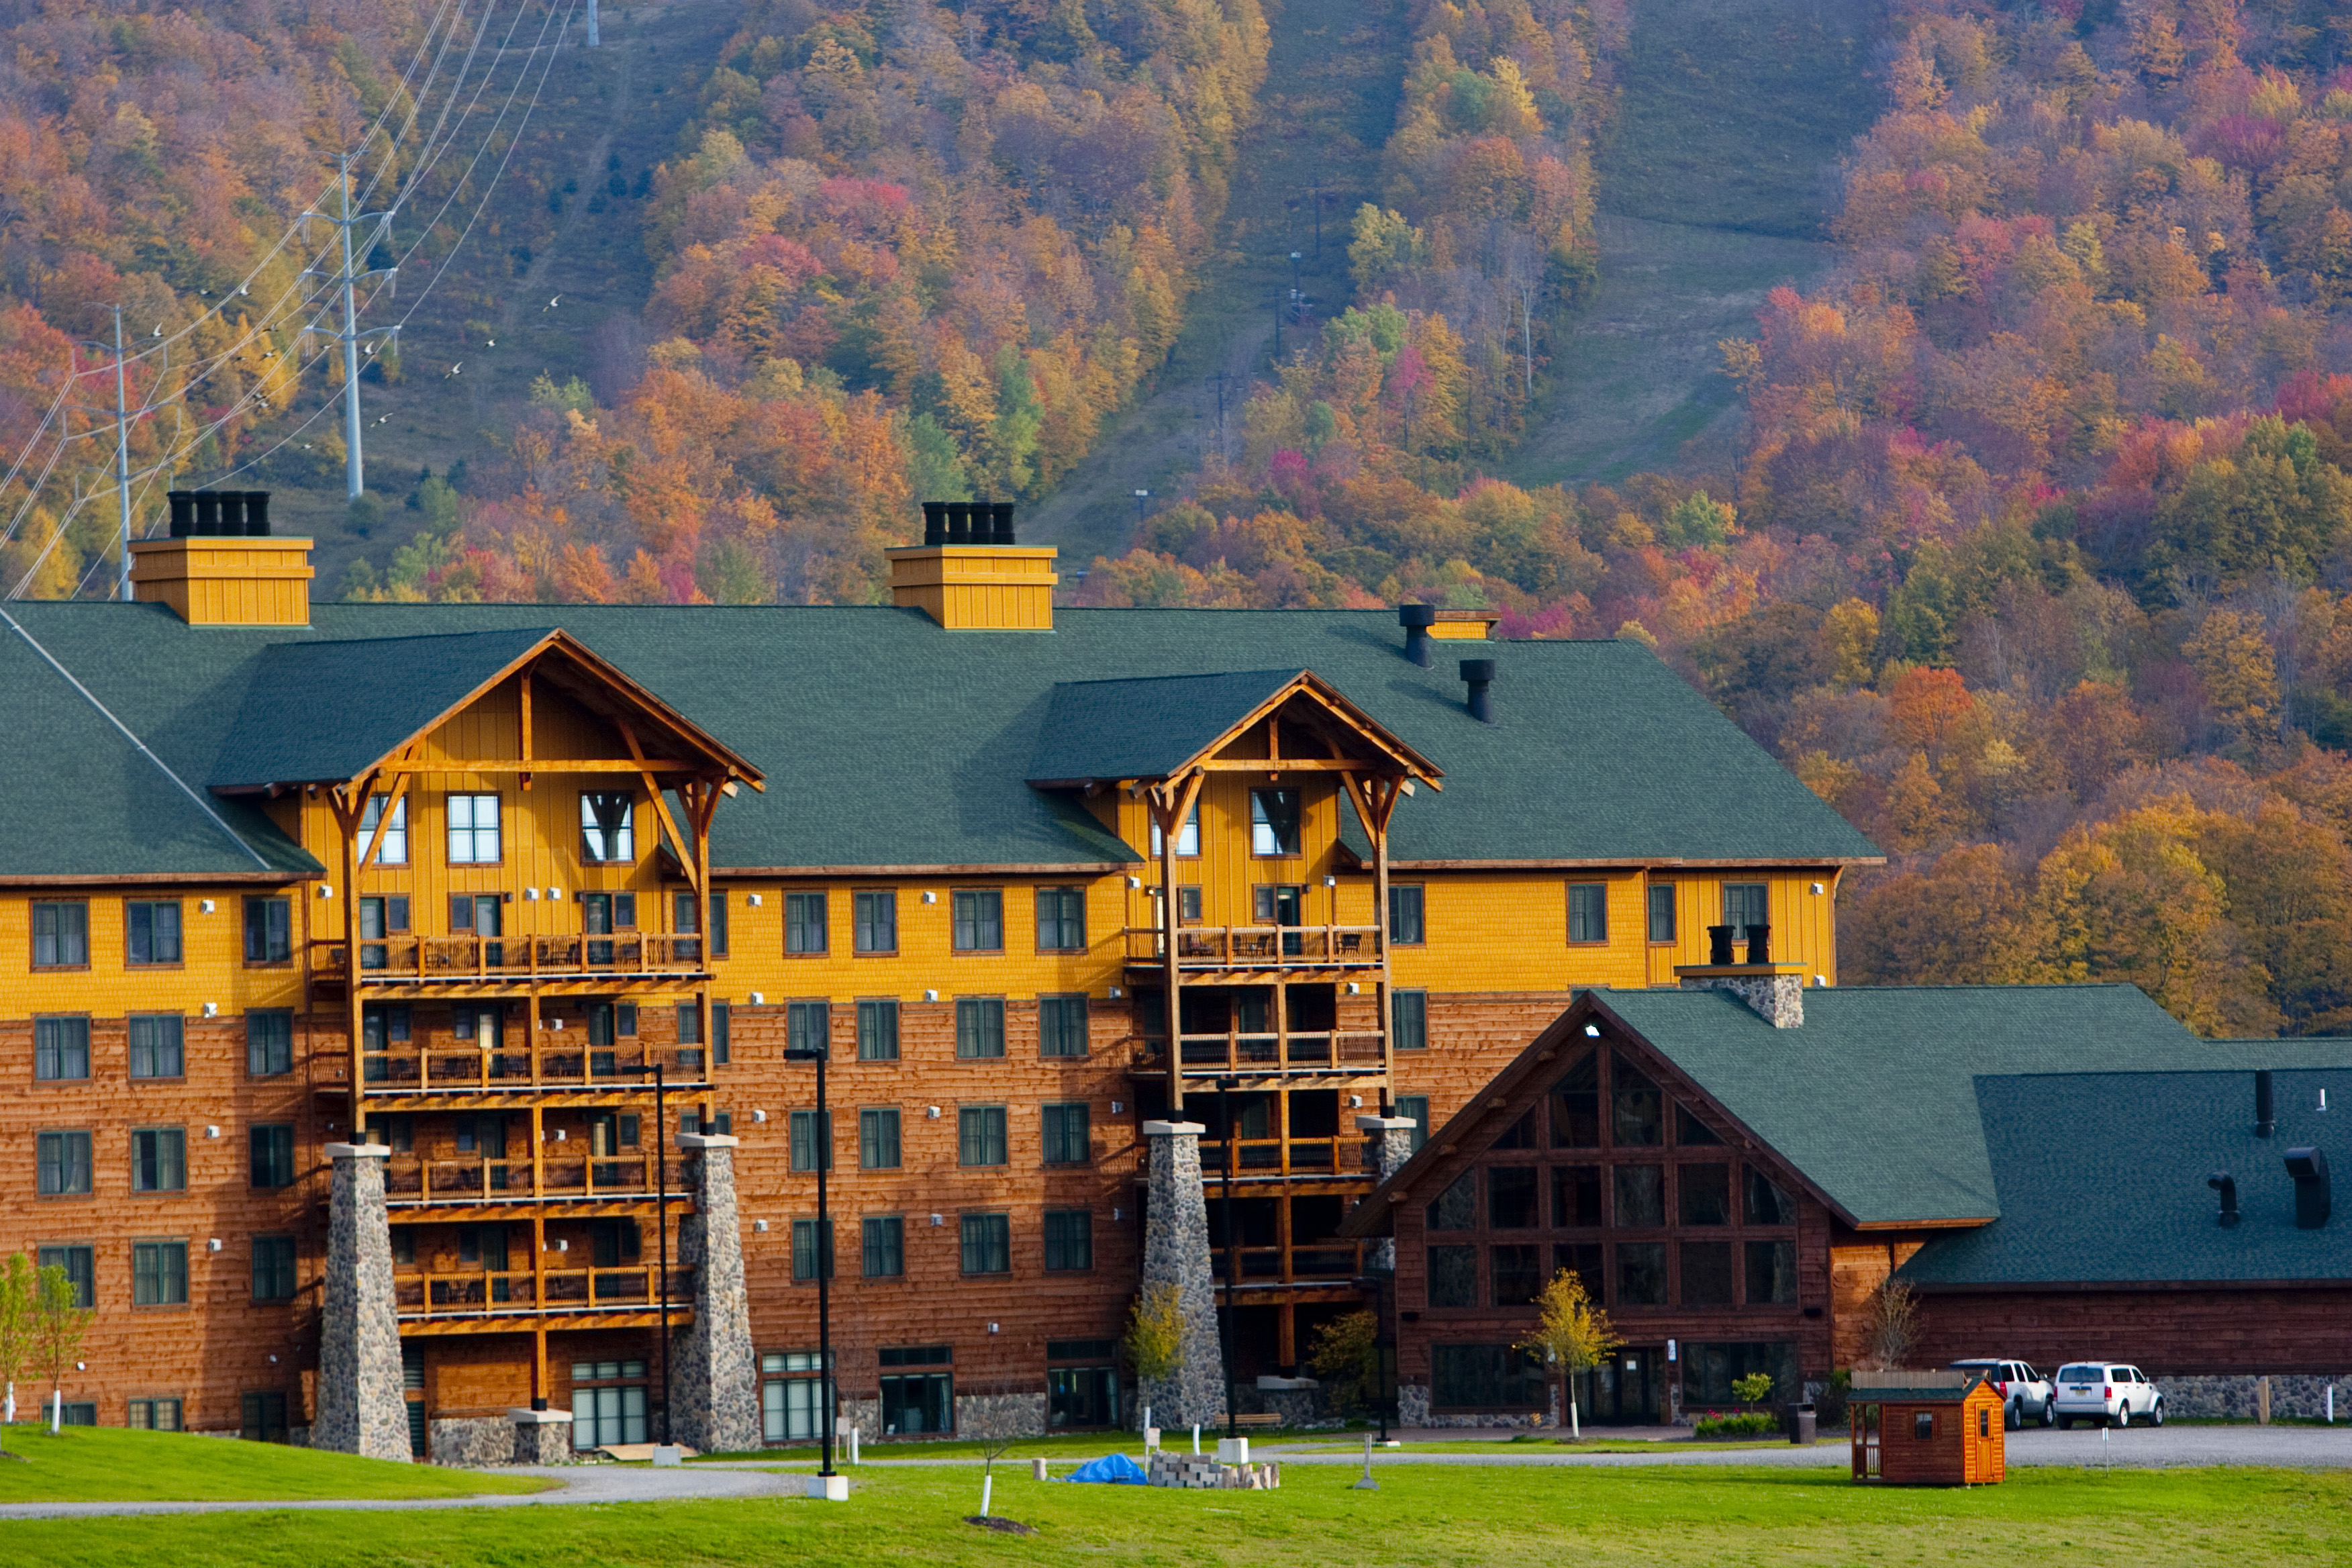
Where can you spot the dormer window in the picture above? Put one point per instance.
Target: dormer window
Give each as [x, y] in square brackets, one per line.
[605, 831]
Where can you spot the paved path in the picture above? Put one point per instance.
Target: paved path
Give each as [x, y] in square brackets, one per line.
[579, 1484]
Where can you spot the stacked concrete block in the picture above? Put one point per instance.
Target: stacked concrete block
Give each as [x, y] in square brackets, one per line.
[1201, 1472]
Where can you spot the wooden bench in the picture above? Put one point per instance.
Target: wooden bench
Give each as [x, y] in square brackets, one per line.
[1266, 1421]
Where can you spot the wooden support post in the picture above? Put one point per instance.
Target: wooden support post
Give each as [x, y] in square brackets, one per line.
[523, 694]
[1170, 803]
[346, 804]
[1286, 1347]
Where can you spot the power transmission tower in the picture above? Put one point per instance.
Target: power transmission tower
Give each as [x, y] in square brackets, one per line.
[346, 280]
[593, 41]
[123, 413]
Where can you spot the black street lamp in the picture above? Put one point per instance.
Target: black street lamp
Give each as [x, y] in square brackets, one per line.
[1232, 1256]
[824, 1258]
[1381, 1382]
[1140, 498]
[661, 1219]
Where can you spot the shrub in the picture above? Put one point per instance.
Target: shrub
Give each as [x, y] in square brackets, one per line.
[1746, 1424]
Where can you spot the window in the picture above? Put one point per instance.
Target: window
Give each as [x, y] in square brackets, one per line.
[1765, 1204]
[804, 922]
[792, 1407]
[1587, 911]
[812, 1248]
[1453, 1276]
[1706, 1193]
[473, 829]
[1641, 1274]
[1638, 1117]
[1187, 838]
[987, 1244]
[269, 1042]
[1576, 1105]
[159, 1273]
[605, 831]
[884, 1243]
[877, 1139]
[1062, 1025]
[1582, 1259]
[979, 1135]
[272, 1149]
[1662, 911]
[63, 1159]
[1710, 1370]
[1081, 1395]
[1067, 1142]
[717, 920]
[1456, 1208]
[1405, 927]
[878, 1031]
[1512, 1197]
[273, 1268]
[1278, 905]
[1516, 1272]
[1576, 1197]
[380, 918]
[157, 1046]
[1188, 905]
[1746, 904]
[978, 920]
[1922, 1425]
[152, 932]
[808, 1026]
[159, 1160]
[689, 1026]
[80, 1266]
[1519, 1134]
[1707, 1273]
[1771, 1273]
[1690, 1132]
[1640, 1196]
[875, 918]
[980, 1026]
[915, 1402]
[1273, 822]
[392, 846]
[1415, 1107]
[1409, 1020]
[62, 935]
[1061, 920]
[61, 1048]
[811, 1137]
[613, 1409]
[155, 1414]
[1486, 1377]
[1069, 1240]
[264, 1417]
[722, 1020]
[269, 931]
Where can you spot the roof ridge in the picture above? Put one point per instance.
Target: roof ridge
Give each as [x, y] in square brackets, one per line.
[1283, 670]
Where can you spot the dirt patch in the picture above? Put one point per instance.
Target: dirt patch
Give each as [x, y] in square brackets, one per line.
[1002, 1526]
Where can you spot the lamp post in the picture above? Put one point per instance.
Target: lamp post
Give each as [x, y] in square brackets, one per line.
[824, 1258]
[1232, 1256]
[1140, 497]
[1295, 284]
[1381, 1381]
[661, 1219]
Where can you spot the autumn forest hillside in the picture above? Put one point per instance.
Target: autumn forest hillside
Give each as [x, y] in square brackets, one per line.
[2012, 510]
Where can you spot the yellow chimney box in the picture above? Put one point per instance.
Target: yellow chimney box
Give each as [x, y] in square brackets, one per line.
[977, 587]
[225, 581]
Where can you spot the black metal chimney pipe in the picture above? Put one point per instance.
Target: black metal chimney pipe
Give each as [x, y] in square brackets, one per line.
[1480, 674]
[1718, 945]
[959, 523]
[207, 515]
[2226, 1184]
[1417, 619]
[1759, 944]
[183, 512]
[257, 514]
[1004, 510]
[935, 522]
[232, 513]
[2308, 1166]
[2265, 1124]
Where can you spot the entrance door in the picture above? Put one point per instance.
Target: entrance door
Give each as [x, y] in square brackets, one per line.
[1625, 1388]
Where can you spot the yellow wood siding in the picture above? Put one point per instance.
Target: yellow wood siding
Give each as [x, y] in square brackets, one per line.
[227, 580]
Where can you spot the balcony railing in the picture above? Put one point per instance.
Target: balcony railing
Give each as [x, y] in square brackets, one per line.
[479, 960]
[479, 1293]
[1269, 947]
[1303, 1055]
[415, 1180]
[1331, 1262]
[465, 1068]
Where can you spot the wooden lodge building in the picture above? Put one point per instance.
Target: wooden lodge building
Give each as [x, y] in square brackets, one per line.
[314, 911]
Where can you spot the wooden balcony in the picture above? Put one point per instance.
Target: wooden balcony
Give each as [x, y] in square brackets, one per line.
[484, 965]
[413, 1182]
[1259, 949]
[1329, 1055]
[1312, 1265]
[464, 1068]
[474, 1295]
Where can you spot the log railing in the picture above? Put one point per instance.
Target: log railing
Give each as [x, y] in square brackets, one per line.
[1266, 1055]
[473, 1292]
[1271, 947]
[428, 960]
[412, 1068]
[411, 1179]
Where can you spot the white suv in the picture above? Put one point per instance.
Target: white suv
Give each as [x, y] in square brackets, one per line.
[2025, 1395]
[2106, 1391]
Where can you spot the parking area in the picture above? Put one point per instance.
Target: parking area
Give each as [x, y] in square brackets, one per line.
[2141, 1448]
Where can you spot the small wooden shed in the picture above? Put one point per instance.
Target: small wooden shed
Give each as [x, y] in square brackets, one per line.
[1939, 1429]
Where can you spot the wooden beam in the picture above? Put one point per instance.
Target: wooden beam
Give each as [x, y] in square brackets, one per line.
[567, 765]
[1282, 766]
[391, 804]
[524, 690]
[347, 805]
[661, 810]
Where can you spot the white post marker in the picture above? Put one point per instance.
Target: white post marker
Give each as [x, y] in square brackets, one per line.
[1196, 1439]
[56, 1412]
[1367, 1484]
[1037, 1470]
[2331, 1404]
[852, 1445]
[987, 1483]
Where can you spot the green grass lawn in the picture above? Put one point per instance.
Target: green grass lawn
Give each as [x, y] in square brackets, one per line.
[110, 1464]
[1420, 1515]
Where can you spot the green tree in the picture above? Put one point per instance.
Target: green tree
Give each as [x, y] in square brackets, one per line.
[1345, 1356]
[1572, 1334]
[59, 1324]
[19, 1312]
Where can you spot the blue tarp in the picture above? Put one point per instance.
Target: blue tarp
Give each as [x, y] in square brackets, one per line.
[1116, 1469]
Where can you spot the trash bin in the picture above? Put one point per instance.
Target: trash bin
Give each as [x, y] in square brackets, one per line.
[1800, 1422]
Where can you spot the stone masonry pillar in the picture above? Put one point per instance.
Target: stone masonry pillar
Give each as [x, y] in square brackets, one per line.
[359, 1399]
[1392, 1147]
[715, 1380]
[1176, 1252]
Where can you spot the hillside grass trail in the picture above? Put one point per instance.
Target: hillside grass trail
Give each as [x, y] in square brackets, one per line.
[1334, 70]
[1717, 182]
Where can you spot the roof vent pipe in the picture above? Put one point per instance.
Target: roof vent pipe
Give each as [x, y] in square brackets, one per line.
[1417, 619]
[183, 512]
[257, 514]
[959, 523]
[2226, 1184]
[2265, 1124]
[935, 522]
[1718, 946]
[2308, 1166]
[1480, 675]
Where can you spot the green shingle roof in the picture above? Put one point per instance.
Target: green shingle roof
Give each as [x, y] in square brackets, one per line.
[889, 741]
[1143, 729]
[2102, 1176]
